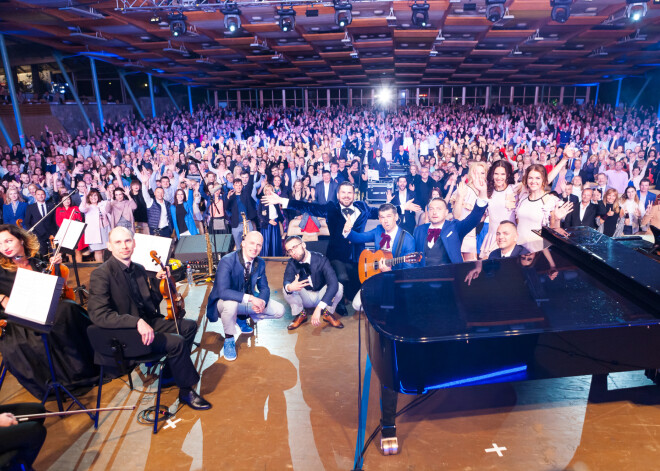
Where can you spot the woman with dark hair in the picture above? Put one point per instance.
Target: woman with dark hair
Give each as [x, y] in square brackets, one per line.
[22, 350]
[69, 211]
[536, 208]
[97, 225]
[270, 224]
[182, 212]
[501, 202]
[120, 209]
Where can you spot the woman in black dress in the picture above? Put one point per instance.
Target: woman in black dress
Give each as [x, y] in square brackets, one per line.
[22, 349]
[610, 213]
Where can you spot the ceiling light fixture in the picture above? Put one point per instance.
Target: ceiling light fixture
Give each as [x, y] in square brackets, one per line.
[232, 16]
[178, 25]
[561, 10]
[636, 9]
[495, 10]
[420, 14]
[287, 18]
[343, 15]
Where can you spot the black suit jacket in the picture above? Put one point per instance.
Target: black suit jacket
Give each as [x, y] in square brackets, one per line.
[517, 250]
[589, 219]
[572, 199]
[47, 227]
[110, 303]
[380, 166]
[320, 193]
[406, 218]
[322, 274]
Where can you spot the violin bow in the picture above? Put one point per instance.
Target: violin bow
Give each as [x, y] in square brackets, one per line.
[25, 418]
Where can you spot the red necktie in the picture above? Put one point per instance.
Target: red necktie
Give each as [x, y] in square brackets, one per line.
[433, 235]
[385, 239]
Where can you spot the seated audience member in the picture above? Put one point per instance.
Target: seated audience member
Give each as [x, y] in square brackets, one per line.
[241, 287]
[310, 282]
[507, 236]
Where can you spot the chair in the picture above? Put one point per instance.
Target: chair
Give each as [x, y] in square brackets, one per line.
[123, 349]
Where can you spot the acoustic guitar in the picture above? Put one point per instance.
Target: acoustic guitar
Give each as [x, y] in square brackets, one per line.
[368, 264]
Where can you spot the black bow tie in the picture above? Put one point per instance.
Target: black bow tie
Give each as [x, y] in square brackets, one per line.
[347, 212]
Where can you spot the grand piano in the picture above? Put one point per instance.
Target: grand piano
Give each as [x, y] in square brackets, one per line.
[588, 304]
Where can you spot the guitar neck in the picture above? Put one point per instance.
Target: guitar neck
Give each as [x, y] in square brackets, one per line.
[395, 261]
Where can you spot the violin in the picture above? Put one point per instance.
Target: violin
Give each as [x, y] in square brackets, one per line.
[176, 308]
[58, 269]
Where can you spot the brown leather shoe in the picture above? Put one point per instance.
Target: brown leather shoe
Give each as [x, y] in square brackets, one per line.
[330, 318]
[299, 320]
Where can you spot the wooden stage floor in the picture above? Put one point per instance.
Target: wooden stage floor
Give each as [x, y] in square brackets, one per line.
[290, 402]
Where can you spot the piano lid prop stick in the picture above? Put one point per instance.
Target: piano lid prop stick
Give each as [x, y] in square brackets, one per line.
[24, 418]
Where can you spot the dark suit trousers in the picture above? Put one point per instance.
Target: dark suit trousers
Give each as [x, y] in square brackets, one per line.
[347, 275]
[177, 347]
[26, 437]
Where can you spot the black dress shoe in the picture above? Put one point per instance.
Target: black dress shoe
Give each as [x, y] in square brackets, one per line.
[194, 400]
[341, 310]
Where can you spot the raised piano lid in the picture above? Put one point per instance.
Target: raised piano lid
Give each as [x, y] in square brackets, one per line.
[597, 283]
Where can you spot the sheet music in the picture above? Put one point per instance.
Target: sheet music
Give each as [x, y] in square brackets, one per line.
[25, 303]
[73, 230]
[145, 244]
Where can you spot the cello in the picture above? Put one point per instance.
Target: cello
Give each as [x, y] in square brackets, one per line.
[176, 308]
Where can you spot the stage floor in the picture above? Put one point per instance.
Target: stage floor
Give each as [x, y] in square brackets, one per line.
[290, 402]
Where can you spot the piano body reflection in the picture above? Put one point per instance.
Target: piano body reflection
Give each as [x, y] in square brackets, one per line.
[586, 305]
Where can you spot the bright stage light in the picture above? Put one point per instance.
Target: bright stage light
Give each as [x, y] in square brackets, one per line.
[384, 96]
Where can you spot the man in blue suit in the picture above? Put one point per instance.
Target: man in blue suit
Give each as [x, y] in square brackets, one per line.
[326, 190]
[387, 236]
[646, 198]
[241, 287]
[440, 240]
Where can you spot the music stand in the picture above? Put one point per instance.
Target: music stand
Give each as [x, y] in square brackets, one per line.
[67, 237]
[38, 313]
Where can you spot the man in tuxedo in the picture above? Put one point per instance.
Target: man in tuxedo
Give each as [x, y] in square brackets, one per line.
[380, 164]
[400, 197]
[342, 253]
[440, 240]
[584, 213]
[387, 236]
[507, 238]
[123, 297]
[241, 287]
[240, 201]
[310, 281]
[46, 228]
[326, 190]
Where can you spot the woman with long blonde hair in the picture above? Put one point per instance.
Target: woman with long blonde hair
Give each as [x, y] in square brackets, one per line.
[464, 199]
[610, 214]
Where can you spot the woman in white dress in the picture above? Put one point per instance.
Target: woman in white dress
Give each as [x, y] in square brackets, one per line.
[465, 198]
[537, 208]
[97, 224]
[633, 211]
[501, 202]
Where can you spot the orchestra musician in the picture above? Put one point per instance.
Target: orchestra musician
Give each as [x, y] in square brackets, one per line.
[123, 297]
[22, 350]
[24, 438]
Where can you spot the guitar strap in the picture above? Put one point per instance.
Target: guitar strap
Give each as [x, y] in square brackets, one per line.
[397, 251]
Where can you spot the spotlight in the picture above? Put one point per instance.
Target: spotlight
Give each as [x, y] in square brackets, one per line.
[561, 10]
[232, 18]
[178, 25]
[636, 9]
[155, 18]
[495, 10]
[420, 14]
[287, 18]
[384, 96]
[343, 16]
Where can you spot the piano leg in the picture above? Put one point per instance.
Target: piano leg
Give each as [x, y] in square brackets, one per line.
[389, 444]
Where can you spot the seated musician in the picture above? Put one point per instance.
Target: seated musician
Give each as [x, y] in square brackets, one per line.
[439, 239]
[387, 236]
[310, 281]
[24, 438]
[506, 238]
[22, 351]
[123, 297]
[241, 287]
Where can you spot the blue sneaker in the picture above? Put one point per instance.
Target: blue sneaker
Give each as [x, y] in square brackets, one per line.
[230, 349]
[245, 328]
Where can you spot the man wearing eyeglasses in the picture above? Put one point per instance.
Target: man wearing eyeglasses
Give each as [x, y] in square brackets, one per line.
[310, 281]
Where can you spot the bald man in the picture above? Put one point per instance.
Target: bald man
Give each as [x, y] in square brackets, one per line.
[122, 296]
[241, 287]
